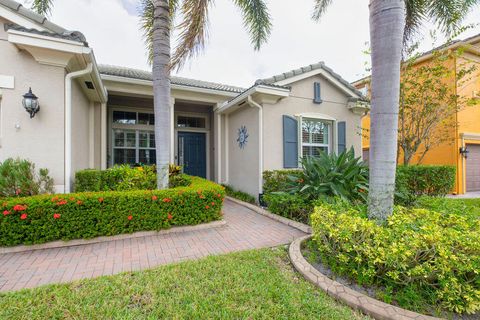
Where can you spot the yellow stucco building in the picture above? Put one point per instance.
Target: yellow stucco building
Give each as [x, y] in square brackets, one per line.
[464, 131]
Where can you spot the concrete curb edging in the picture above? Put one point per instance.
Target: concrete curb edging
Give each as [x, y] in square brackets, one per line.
[354, 299]
[79, 242]
[297, 225]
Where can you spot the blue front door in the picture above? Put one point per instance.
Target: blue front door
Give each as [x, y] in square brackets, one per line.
[192, 153]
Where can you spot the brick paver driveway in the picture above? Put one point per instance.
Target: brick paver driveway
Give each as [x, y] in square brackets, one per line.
[245, 229]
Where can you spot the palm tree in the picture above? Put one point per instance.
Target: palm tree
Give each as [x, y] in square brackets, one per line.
[156, 23]
[394, 23]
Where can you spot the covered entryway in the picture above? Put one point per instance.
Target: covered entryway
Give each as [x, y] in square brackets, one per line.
[473, 168]
[192, 155]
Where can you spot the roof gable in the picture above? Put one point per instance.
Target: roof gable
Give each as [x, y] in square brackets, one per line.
[27, 18]
[295, 75]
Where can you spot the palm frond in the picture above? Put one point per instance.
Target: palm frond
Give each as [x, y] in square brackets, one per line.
[43, 7]
[146, 12]
[446, 14]
[193, 31]
[320, 8]
[414, 18]
[256, 19]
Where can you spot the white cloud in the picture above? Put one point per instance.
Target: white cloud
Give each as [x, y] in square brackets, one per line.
[111, 28]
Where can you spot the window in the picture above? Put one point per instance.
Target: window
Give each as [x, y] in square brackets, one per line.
[315, 137]
[133, 138]
[191, 122]
[133, 146]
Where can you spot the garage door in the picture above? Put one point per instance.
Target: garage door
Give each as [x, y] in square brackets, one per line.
[473, 168]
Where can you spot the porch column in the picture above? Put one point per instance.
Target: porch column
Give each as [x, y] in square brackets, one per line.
[103, 136]
[172, 130]
[91, 135]
[218, 142]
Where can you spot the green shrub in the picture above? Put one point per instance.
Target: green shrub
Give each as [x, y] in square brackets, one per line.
[277, 180]
[18, 178]
[179, 180]
[117, 178]
[289, 206]
[240, 195]
[417, 180]
[464, 207]
[418, 256]
[332, 175]
[44, 218]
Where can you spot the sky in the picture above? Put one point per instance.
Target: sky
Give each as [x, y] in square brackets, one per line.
[339, 39]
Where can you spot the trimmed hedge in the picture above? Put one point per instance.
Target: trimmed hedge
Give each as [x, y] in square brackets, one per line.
[44, 218]
[289, 206]
[117, 178]
[412, 181]
[418, 180]
[421, 258]
[277, 180]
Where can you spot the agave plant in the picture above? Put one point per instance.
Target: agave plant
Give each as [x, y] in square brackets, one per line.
[332, 175]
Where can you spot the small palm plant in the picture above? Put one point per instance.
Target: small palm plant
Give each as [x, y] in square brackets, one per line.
[332, 175]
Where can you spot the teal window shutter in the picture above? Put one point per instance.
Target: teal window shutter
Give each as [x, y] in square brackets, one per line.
[317, 93]
[341, 136]
[290, 142]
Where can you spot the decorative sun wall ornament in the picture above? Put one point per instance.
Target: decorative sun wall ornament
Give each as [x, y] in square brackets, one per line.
[242, 137]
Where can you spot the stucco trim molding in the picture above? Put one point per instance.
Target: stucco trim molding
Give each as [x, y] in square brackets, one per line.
[470, 136]
[7, 82]
[354, 299]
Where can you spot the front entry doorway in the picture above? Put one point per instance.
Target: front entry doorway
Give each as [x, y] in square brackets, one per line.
[192, 153]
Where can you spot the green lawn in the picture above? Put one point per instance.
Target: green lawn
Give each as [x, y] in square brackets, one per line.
[256, 284]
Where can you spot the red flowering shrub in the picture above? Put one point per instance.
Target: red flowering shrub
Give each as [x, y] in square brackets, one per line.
[61, 202]
[19, 207]
[154, 198]
[106, 213]
[6, 212]
[23, 216]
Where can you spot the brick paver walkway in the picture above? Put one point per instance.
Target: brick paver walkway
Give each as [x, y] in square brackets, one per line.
[244, 230]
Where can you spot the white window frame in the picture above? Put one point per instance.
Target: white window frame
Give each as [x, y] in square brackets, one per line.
[137, 128]
[332, 131]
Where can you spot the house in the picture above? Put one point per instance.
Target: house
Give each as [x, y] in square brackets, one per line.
[97, 116]
[461, 147]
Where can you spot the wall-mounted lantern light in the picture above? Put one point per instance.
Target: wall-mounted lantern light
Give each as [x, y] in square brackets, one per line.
[30, 103]
[464, 152]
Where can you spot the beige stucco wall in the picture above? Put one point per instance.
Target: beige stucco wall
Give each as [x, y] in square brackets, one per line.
[40, 139]
[334, 105]
[243, 164]
[80, 129]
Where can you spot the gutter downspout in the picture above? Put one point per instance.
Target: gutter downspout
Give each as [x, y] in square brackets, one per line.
[68, 123]
[253, 103]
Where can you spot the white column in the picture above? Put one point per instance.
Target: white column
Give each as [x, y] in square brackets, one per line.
[227, 151]
[172, 128]
[218, 149]
[91, 135]
[103, 139]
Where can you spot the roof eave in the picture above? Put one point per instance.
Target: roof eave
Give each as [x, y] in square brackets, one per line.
[259, 89]
[149, 83]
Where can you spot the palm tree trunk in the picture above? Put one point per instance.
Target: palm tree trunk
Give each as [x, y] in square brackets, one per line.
[387, 24]
[161, 89]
